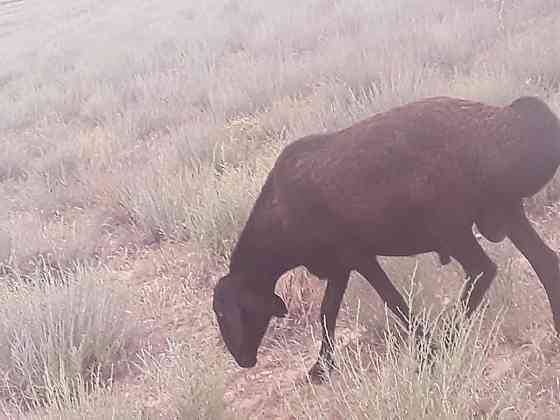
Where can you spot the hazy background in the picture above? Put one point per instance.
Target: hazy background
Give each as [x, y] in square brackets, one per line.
[134, 137]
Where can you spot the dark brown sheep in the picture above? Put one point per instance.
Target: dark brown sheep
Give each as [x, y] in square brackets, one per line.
[410, 180]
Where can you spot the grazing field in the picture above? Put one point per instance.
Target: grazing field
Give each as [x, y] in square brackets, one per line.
[134, 138]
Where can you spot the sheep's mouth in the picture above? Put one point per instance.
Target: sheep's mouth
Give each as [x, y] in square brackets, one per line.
[246, 362]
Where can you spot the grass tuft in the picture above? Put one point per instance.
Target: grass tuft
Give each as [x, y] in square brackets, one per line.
[58, 329]
[189, 381]
[408, 380]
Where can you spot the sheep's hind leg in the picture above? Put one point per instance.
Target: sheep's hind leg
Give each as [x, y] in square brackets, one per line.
[543, 259]
[337, 281]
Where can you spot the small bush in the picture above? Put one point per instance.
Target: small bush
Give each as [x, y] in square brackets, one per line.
[59, 328]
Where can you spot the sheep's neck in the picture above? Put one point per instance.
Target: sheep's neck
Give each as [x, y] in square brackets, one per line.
[262, 255]
[260, 265]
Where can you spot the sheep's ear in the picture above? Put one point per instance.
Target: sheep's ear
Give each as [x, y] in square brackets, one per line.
[279, 308]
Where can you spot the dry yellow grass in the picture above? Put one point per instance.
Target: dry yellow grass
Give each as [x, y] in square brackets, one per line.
[134, 137]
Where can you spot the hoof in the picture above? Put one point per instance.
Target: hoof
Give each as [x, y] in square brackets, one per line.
[320, 373]
[557, 328]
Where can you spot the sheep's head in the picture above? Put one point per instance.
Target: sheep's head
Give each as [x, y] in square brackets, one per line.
[243, 318]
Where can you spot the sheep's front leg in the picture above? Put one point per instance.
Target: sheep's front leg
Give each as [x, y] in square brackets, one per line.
[543, 259]
[336, 286]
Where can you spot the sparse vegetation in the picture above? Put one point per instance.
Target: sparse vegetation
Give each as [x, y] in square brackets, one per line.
[58, 329]
[130, 128]
[184, 382]
[408, 381]
[178, 381]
